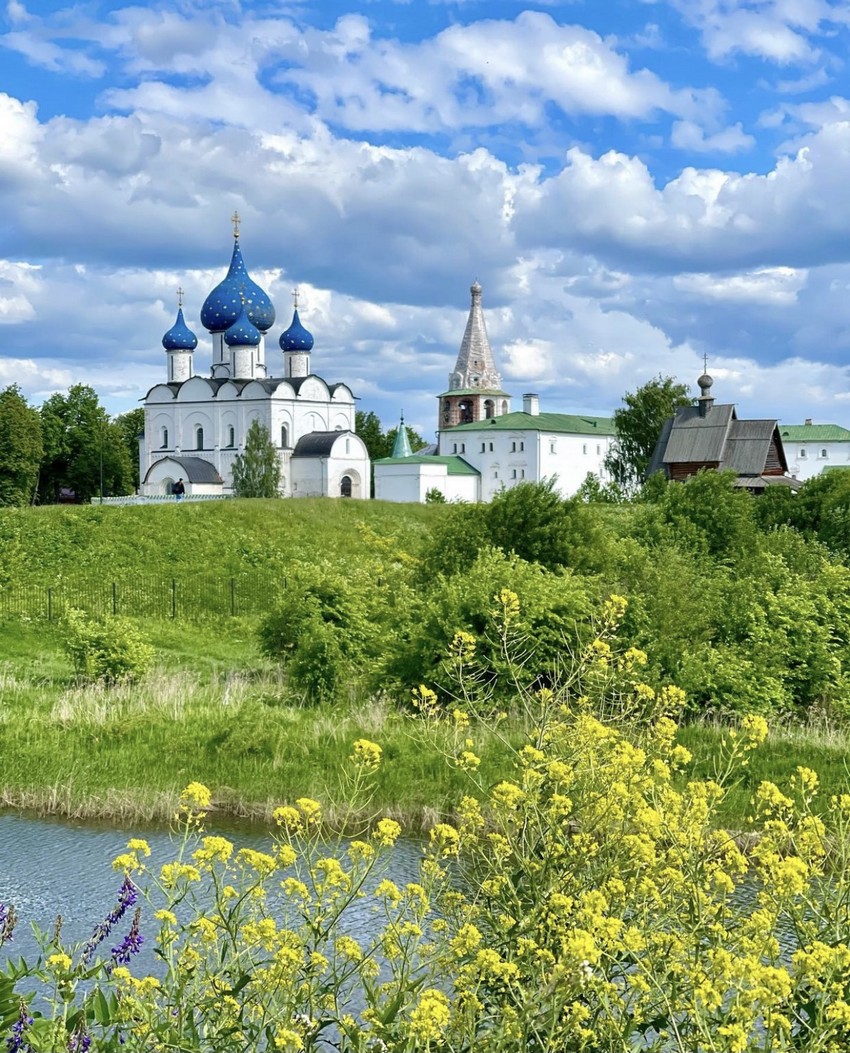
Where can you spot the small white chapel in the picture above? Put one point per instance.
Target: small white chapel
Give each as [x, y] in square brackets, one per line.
[195, 425]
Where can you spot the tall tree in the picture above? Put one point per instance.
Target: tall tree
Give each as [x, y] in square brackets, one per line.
[21, 448]
[638, 425]
[131, 425]
[256, 471]
[84, 451]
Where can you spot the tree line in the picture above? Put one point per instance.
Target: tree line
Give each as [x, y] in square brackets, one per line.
[68, 449]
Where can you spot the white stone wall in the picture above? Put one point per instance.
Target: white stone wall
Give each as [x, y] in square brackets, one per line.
[505, 458]
[808, 459]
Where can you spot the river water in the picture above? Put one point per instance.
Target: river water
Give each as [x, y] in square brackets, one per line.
[52, 867]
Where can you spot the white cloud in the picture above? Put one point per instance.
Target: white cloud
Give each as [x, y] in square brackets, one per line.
[777, 286]
[688, 135]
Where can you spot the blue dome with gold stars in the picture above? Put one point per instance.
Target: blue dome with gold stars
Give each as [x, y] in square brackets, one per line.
[243, 332]
[224, 304]
[296, 337]
[180, 337]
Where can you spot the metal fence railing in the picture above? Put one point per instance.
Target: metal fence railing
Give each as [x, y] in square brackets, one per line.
[192, 598]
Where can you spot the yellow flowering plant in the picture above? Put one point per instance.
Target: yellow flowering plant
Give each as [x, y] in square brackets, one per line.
[588, 901]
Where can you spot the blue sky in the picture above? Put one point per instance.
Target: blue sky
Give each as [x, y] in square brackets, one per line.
[635, 185]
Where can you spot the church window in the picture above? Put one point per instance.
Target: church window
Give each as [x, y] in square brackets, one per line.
[348, 445]
[454, 447]
[231, 437]
[522, 473]
[513, 447]
[584, 448]
[199, 438]
[284, 435]
[465, 409]
[491, 447]
[824, 453]
[483, 447]
[802, 453]
[463, 447]
[495, 475]
[522, 446]
[164, 438]
[489, 408]
[504, 406]
[513, 474]
[551, 447]
[598, 449]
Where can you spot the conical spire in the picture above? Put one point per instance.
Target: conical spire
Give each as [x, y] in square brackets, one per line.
[401, 446]
[476, 367]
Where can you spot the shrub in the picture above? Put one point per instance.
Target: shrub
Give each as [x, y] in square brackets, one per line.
[106, 650]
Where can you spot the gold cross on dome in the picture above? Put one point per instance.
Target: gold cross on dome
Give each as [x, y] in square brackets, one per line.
[235, 220]
[295, 297]
[179, 296]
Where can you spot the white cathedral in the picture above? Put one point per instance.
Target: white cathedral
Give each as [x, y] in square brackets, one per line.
[195, 426]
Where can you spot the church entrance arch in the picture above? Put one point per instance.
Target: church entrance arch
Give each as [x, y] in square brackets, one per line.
[465, 411]
[345, 486]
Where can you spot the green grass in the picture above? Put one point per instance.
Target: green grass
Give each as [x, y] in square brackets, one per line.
[214, 711]
[46, 545]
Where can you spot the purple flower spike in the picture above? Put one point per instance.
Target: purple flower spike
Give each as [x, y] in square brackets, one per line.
[131, 944]
[16, 1042]
[127, 896]
[80, 1041]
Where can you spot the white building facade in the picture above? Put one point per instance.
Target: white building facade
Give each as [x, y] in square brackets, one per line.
[195, 426]
[814, 448]
[477, 430]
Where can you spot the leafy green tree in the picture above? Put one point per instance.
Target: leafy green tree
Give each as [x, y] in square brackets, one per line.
[256, 471]
[21, 448]
[131, 425]
[83, 450]
[638, 425]
[532, 520]
[710, 515]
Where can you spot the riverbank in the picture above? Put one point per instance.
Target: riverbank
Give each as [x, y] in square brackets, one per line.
[214, 711]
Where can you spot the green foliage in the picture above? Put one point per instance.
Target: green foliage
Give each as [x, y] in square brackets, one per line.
[638, 425]
[378, 442]
[83, 450]
[256, 471]
[530, 519]
[555, 609]
[332, 628]
[435, 497]
[710, 516]
[109, 651]
[21, 448]
[131, 425]
[584, 898]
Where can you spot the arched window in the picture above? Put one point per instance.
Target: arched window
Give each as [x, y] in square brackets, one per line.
[465, 409]
[199, 438]
[231, 436]
[345, 486]
[284, 435]
[504, 407]
[489, 408]
[164, 438]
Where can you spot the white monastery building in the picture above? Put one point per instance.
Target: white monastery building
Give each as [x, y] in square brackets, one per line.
[815, 448]
[483, 446]
[195, 426]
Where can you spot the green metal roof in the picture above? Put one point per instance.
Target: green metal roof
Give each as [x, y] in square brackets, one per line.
[563, 423]
[454, 465]
[814, 433]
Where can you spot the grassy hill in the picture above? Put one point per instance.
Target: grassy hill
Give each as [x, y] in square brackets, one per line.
[45, 545]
